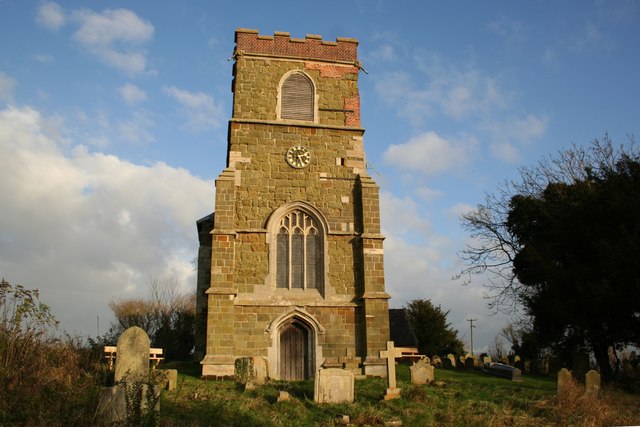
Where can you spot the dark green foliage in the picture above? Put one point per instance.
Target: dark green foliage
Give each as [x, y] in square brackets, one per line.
[580, 244]
[563, 244]
[434, 333]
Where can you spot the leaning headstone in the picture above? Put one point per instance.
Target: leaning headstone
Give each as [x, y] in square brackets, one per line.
[251, 371]
[391, 353]
[564, 381]
[132, 359]
[334, 385]
[422, 372]
[592, 381]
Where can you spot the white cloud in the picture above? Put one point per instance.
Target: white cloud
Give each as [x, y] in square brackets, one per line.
[513, 133]
[511, 29]
[136, 129]
[201, 111]
[51, 16]
[445, 88]
[429, 154]
[506, 152]
[132, 94]
[419, 264]
[43, 57]
[115, 36]
[6, 88]
[85, 227]
[457, 210]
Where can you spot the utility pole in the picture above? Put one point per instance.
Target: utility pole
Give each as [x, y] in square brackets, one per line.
[471, 328]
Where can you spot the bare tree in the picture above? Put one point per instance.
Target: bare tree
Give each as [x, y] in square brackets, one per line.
[493, 248]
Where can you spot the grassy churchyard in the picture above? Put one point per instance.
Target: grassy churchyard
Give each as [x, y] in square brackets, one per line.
[457, 398]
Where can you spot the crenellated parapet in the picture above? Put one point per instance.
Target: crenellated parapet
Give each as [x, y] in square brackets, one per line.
[250, 42]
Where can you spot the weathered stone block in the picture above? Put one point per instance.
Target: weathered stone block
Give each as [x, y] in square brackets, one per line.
[334, 386]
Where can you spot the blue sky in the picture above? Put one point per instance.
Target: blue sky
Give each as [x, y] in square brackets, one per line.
[113, 122]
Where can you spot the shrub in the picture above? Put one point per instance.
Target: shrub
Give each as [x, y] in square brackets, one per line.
[45, 380]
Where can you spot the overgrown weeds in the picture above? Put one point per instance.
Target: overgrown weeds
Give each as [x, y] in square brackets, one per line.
[45, 380]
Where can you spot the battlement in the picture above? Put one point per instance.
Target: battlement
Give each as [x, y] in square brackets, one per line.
[281, 44]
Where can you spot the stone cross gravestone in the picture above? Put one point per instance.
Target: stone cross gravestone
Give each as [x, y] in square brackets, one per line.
[334, 385]
[422, 372]
[132, 360]
[393, 392]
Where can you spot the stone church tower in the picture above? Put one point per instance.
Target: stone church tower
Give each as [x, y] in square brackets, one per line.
[291, 262]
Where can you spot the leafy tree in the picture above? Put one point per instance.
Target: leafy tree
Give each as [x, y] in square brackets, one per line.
[434, 333]
[562, 244]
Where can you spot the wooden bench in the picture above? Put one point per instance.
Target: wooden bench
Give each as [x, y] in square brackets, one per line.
[155, 355]
[409, 353]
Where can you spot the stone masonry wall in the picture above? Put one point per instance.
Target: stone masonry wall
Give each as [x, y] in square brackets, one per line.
[243, 301]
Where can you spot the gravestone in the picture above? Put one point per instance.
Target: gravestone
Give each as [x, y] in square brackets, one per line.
[581, 364]
[251, 371]
[592, 381]
[564, 381]
[437, 362]
[504, 360]
[486, 359]
[450, 361]
[503, 371]
[391, 353]
[130, 394]
[422, 372]
[168, 377]
[132, 359]
[469, 363]
[333, 385]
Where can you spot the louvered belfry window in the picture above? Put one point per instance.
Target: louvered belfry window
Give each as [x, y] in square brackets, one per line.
[297, 98]
[298, 253]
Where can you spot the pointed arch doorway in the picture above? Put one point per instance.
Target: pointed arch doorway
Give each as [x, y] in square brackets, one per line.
[294, 352]
[295, 360]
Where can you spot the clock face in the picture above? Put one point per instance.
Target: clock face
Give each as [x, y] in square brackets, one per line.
[298, 157]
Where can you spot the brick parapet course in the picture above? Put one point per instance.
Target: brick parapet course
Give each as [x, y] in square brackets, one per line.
[281, 44]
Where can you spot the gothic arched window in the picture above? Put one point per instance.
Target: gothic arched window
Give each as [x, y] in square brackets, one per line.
[297, 98]
[298, 252]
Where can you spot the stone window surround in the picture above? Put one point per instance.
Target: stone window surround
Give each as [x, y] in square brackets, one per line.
[273, 228]
[279, 97]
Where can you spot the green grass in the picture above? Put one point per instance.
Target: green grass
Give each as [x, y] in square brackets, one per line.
[461, 399]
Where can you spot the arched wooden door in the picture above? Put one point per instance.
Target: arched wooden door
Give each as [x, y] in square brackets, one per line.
[294, 352]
